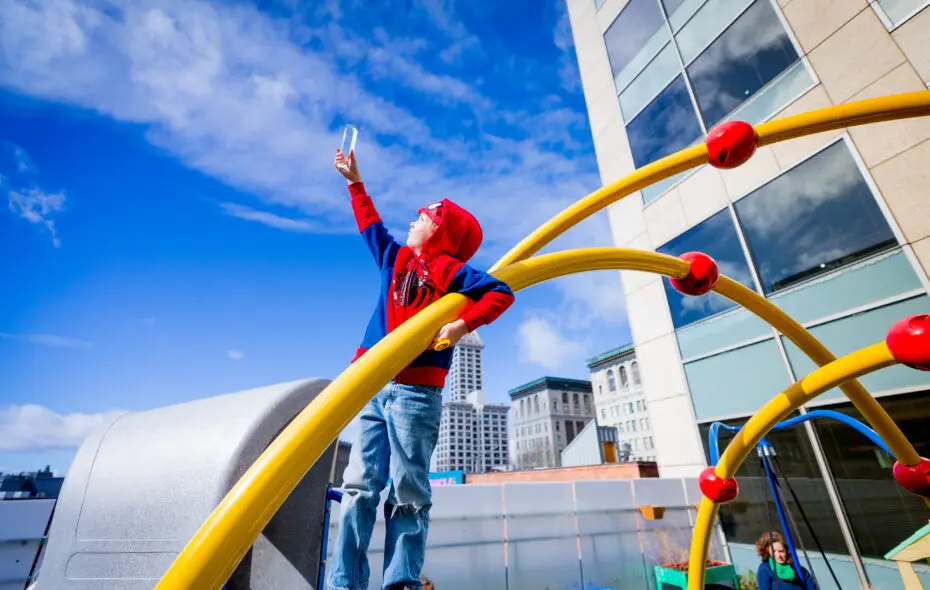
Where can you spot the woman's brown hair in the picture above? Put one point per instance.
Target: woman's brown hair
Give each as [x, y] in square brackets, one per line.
[764, 544]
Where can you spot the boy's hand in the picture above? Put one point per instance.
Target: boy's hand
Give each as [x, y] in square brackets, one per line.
[450, 334]
[348, 167]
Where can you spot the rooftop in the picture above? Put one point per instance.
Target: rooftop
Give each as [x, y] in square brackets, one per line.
[552, 383]
[610, 355]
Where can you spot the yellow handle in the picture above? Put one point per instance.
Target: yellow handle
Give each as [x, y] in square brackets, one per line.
[442, 344]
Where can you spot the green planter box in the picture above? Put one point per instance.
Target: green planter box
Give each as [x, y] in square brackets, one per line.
[676, 574]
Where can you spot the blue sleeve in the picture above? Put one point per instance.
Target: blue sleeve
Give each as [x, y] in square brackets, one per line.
[475, 283]
[382, 245]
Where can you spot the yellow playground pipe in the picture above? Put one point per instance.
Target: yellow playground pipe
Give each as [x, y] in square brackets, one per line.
[823, 379]
[211, 555]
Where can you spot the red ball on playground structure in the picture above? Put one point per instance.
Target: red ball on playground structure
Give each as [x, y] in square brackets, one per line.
[730, 144]
[701, 278]
[914, 478]
[716, 489]
[909, 342]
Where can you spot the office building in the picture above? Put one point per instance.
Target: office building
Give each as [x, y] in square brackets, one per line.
[833, 228]
[472, 436]
[619, 400]
[465, 371]
[547, 414]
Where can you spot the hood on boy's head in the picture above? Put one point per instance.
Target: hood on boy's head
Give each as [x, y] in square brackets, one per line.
[459, 235]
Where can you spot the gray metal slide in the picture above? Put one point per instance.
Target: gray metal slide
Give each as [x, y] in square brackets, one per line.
[141, 486]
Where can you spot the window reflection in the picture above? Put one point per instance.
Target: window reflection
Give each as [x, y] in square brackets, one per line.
[812, 219]
[665, 126]
[630, 33]
[717, 238]
[880, 512]
[899, 10]
[671, 5]
[748, 55]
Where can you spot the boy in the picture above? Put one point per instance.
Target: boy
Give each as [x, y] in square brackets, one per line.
[400, 425]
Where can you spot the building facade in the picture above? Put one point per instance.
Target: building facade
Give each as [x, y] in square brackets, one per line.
[833, 228]
[620, 401]
[465, 371]
[547, 415]
[472, 436]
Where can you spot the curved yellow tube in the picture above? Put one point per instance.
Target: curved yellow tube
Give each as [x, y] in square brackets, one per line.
[851, 366]
[873, 412]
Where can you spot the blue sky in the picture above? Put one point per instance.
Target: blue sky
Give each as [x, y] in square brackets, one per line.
[173, 226]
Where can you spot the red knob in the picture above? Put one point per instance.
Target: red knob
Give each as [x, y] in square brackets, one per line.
[701, 278]
[731, 144]
[909, 342]
[914, 478]
[716, 489]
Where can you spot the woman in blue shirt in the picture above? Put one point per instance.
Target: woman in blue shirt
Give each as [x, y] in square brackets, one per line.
[776, 571]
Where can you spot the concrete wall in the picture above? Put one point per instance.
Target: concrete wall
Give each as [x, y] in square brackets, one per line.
[22, 532]
[609, 471]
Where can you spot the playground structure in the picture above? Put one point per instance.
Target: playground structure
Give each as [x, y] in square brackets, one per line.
[222, 541]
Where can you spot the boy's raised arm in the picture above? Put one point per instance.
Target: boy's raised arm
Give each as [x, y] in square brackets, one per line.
[383, 247]
[379, 240]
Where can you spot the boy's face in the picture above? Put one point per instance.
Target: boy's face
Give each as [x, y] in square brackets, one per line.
[420, 232]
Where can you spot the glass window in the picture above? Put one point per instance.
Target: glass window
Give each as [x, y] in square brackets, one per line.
[624, 381]
[717, 238]
[813, 218]
[749, 54]
[747, 517]
[649, 82]
[636, 36]
[635, 368]
[881, 513]
[667, 124]
[611, 382]
[899, 10]
[705, 21]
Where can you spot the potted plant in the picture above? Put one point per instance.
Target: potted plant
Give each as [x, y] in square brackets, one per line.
[673, 570]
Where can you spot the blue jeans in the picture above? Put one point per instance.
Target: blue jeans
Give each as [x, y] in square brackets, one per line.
[398, 433]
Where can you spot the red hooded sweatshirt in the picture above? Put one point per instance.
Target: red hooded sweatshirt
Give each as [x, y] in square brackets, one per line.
[409, 282]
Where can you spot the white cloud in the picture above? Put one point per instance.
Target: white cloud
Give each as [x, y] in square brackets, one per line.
[540, 341]
[273, 220]
[262, 114]
[568, 67]
[20, 162]
[32, 427]
[46, 340]
[258, 103]
[37, 206]
[235, 354]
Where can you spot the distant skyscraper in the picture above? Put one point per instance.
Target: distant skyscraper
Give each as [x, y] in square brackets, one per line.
[465, 372]
[472, 435]
[472, 432]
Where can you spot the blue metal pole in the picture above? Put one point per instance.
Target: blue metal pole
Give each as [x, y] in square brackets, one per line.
[331, 495]
[770, 475]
